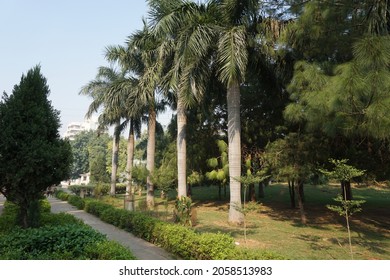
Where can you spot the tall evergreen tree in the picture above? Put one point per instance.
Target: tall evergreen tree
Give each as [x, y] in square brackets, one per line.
[343, 90]
[33, 157]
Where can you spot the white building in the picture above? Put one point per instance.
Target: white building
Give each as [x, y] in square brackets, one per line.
[76, 127]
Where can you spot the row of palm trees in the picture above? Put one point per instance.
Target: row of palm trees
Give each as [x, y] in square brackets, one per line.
[180, 48]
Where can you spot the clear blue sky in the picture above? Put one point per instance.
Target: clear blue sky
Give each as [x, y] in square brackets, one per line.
[67, 38]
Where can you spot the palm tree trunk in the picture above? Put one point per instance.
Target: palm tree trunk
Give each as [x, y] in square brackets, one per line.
[234, 137]
[115, 155]
[150, 155]
[181, 149]
[129, 166]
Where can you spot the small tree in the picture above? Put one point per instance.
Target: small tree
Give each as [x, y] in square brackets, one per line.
[33, 157]
[193, 179]
[345, 173]
[246, 181]
[220, 166]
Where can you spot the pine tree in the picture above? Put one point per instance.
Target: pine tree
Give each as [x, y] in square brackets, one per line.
[32, 155]
[341, 85]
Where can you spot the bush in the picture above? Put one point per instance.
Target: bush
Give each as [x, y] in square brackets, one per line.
[179, 240]
[108, 250]
[96, 207]
[44, 206]
[76, 201]
[215, 246]
[9, 219]
[68, 241]
[63, 237]
[60, 194]
[76, 189]
[111, 215]
[59, 219]
[101, 189]
[183, 210]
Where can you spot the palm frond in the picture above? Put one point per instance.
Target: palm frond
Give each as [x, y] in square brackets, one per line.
[232, 55]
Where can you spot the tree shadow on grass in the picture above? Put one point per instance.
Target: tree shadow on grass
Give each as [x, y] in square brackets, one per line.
[316, 217]
[316, 244]
[235, 232]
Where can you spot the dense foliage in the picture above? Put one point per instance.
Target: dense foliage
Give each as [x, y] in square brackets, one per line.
[32, 155]
[61, 237]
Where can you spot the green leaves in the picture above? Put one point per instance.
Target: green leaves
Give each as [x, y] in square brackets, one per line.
[219, 165]
[342, 171]
[47, 241]
[32, 155]
[212, 162]
[348, 207]
[232, 55]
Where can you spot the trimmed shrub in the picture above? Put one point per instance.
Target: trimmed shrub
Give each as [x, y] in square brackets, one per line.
[65, 242]
[215, 246]
[59, 219]
[101, 189]
[48, 241]
[76, 201]
[179, 240]
[44, 206]
[9, 218]
[76, 189]
[60, 194]
[108, 250]
[95, 207]
[111, 216]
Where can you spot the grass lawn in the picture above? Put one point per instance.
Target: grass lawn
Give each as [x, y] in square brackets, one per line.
[273, 225]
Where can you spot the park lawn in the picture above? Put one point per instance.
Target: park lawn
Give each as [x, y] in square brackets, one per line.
[274, 226]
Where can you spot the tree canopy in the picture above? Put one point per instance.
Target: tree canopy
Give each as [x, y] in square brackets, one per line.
[32, 155]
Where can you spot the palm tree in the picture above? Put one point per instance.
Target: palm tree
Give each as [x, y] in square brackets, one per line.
[140, 61]
[133, 120]
[217, 34]
[246, 39]
[106, 96]
[184, 32]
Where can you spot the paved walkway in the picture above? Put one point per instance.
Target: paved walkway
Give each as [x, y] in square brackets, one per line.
[141, 249]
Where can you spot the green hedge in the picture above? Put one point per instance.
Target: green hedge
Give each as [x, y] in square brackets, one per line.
[66, 242]
[9, 218]
[61, 237]
[76, 201]
[60, 194]
[181, 241]
[99, 189]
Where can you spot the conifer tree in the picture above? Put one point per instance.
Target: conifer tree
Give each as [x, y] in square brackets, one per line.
[341, 84]
[33, 157]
